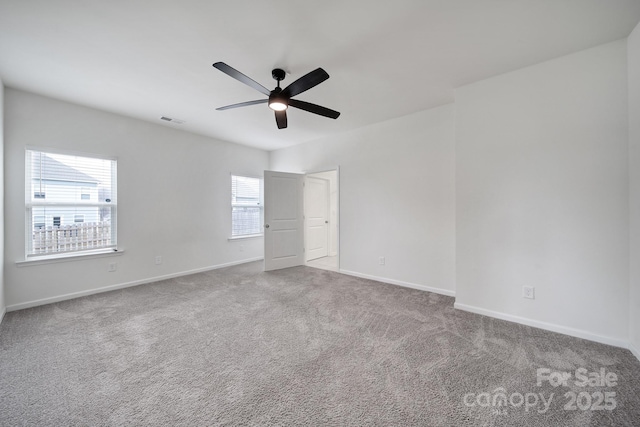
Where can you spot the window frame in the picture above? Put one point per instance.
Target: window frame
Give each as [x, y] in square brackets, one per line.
[233, 205]
[29, 253]
[84, 191]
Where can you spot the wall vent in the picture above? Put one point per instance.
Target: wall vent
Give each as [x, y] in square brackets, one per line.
[172, 120]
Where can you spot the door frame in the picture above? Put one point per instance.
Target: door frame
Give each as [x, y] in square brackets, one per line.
[337, 171]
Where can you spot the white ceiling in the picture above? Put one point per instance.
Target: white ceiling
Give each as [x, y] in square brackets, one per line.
[386, 59]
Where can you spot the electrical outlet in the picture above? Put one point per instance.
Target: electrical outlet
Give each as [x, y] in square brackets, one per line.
[113, 266]
[529, 292]
[158, 260]
[381, 260]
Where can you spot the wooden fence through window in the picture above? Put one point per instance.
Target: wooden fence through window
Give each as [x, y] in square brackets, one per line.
[68, 238]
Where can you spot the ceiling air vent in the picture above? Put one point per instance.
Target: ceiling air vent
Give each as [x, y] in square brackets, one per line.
[169, 119]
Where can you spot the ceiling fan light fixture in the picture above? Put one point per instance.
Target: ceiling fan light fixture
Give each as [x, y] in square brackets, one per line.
[277, 102]
[278, 106]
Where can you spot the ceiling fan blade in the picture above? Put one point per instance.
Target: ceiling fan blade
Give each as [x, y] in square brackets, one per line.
[313, 108]
[243, 104]
[232, 72]
[281, 119]
[306, 82]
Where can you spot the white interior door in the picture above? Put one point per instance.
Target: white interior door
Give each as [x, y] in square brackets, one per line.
[316, 213]
[283, 215]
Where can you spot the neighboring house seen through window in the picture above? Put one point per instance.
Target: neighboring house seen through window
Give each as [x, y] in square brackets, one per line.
[246, 206]
[79, 210]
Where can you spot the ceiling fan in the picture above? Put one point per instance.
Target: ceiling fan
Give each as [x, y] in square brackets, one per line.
[280, 99]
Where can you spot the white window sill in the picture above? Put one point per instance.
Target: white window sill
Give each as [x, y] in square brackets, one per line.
[73, 256]
[247, 236]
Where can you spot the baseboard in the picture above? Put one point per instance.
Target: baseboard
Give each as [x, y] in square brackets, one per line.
[4, 311]
[634, 351]
[73, 295]
[578, 333]
[400, 283]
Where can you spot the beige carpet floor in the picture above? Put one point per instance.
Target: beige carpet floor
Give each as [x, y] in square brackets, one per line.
[298, 347]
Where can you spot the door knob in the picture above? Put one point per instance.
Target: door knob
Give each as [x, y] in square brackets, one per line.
[266, 226]
[326, 222]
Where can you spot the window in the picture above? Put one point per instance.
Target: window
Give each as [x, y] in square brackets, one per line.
[38, 221]
[85, 193]
[246, 206]
[63, 222]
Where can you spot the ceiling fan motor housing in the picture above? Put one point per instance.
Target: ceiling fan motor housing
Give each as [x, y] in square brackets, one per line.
[277, 100]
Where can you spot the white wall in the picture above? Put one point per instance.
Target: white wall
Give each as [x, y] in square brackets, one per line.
[542, 194]
[396, 196]
[173, 197]
[633, 49]
[2, 299]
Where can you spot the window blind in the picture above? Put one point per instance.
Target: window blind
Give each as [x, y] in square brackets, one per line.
[70, 202]
[246, 205]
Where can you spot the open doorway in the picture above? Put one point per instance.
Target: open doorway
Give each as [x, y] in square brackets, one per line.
[321, 220]
[301, 214]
